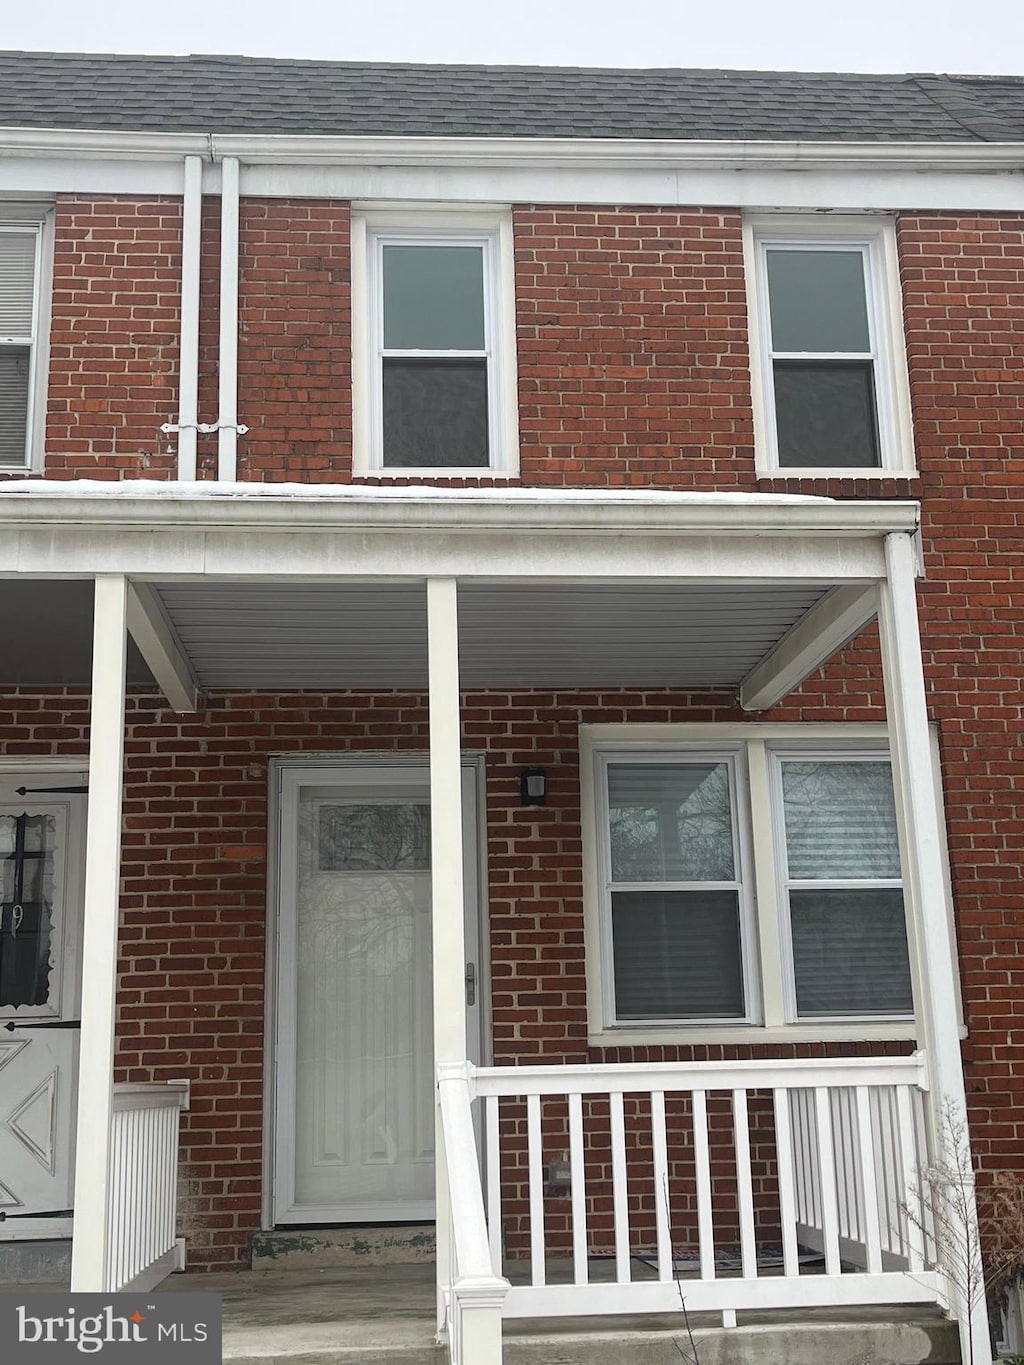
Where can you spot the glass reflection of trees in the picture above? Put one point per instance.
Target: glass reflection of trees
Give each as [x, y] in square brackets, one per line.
[670, 822]
[363, 878]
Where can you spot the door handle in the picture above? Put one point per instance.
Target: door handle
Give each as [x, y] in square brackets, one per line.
[470, 983]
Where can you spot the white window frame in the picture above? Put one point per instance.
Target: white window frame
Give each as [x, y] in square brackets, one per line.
[733, 757]
[37, 219]
[875, 239]
[491, 229]
[771, 1003]
[778, 754]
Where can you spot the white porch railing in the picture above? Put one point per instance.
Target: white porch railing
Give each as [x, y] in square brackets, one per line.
[474, 1293]
[141, 1246]
[672, 1166]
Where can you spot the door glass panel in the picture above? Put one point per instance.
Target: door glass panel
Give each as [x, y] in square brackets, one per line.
[26, 909]
[364, 1130]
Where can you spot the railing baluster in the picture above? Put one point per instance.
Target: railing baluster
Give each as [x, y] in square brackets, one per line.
[909, 1182]
[744, 1184]
[620, 1193]
[787, 1194]
[702, 1171]
[577, 1167]
[533, 1139]
[827, 1170]
[493, 1144]
[659, 1148]
[868, 1183]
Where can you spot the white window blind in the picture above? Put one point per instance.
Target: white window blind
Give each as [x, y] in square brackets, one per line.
[847, 923]
[674, 892]
[18, 254]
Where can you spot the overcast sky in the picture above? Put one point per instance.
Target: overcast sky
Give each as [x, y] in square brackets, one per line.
[982, 36]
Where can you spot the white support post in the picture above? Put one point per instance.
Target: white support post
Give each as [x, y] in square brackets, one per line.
[921, 851]
[447, 913]
[227, 418]
[99, 949]
[188, 363]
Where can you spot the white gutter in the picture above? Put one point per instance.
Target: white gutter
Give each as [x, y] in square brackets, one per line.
[417, 509]
[557, 153]
[188, 364]
[227, 417]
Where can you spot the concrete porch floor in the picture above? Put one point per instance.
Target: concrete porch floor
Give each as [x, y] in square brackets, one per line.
[367, 1314]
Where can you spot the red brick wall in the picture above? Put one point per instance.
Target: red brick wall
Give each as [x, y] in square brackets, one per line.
[114, 338]
[191, 1000]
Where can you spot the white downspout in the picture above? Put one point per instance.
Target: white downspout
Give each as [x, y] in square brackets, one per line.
[188, 366]
[227, 420]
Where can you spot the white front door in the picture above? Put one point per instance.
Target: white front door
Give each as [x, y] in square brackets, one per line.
[41, 830]
[355, 1080]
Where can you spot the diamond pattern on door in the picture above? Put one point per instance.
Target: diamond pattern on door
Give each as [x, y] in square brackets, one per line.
[9, 1200]
[34, 1122]
[8, 1051]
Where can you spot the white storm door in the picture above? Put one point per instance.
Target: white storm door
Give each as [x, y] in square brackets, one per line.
[355, 1080]
[40, 910]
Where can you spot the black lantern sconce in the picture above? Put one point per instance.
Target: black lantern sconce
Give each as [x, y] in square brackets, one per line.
[533, 787]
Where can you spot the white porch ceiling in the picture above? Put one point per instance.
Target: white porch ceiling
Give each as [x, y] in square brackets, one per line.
[360, 635]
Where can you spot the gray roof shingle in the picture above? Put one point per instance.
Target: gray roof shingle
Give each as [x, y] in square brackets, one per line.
[265, 96]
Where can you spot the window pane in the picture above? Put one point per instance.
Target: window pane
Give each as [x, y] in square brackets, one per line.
[818, 301]
[26, 908]
[14, 381]
[374, 838]
[825, 414]
[670, 822]
[435, 413]
[677, 955]
[850, 952]
[840, 820]
[17, 277]
[433, 298]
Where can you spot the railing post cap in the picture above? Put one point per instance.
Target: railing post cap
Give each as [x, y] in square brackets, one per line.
[481, 1292]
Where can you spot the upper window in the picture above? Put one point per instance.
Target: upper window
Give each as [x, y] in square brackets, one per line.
[755, 882]
[20, 328]
[433, 357]
[829, 367]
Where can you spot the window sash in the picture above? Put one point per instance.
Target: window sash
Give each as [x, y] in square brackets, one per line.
[787, 884]
[377, 240]
[14, 453]
[738, 885]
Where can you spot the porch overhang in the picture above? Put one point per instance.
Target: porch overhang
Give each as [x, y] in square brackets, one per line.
[285, 587]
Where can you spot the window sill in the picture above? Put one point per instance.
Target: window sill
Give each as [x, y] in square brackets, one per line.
[441, 475]
[893, 1030]
[800, 474]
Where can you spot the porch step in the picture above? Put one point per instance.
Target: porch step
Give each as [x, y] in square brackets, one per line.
[339, 1248]
[384, 1315]
[35, 1262]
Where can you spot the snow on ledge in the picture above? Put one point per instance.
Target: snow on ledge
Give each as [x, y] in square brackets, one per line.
[209, 490]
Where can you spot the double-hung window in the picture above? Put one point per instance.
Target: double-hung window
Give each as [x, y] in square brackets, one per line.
[433, 352]
[839, 863]
[676, 908]
[743, 880]
[21, 328]
[828, 363]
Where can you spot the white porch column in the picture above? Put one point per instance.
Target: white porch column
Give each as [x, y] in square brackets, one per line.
[99, 949]
[447, 912]
[913, 781]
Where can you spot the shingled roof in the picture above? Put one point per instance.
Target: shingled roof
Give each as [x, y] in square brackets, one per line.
[264, 96]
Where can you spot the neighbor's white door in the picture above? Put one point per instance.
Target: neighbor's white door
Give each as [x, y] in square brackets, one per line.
[40, 928]
[355, 1083]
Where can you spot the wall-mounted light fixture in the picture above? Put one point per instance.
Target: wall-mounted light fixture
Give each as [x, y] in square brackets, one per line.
[533, 787]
